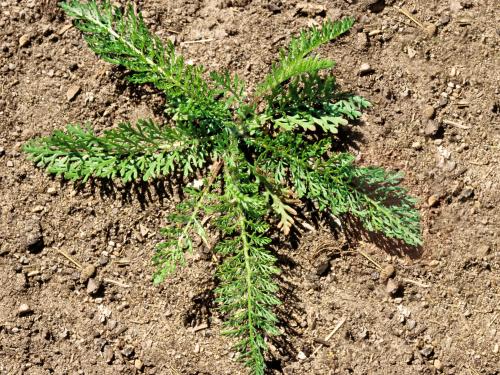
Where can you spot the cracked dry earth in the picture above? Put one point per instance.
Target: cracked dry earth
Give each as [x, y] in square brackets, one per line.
[75, 271]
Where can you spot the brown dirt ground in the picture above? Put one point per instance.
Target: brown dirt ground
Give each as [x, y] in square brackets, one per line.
[435, 117]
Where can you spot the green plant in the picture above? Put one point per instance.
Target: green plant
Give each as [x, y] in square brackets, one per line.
[269, 152]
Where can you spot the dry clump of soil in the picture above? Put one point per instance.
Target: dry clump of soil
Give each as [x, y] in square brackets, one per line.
[75, 264]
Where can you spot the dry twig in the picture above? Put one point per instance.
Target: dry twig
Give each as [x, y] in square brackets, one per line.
[456, 124]
[330, 335]
[110, 281]
[407, 14]
[66, 255]
[197, 41]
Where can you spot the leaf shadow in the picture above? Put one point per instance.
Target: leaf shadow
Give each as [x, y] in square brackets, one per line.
[200, 311]
[137, 93]
[355, 232]
[286, 314]
[144, 192]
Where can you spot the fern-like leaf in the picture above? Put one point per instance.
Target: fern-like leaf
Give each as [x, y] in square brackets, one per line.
[246, 293]
[143, 151]
[295, 62]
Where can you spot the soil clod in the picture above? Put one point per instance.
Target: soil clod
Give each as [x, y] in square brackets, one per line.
[87, 272]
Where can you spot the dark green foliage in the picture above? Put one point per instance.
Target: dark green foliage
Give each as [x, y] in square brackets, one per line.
[145, 151]
[269, 152]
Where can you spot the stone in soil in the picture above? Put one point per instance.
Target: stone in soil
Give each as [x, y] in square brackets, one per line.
[310, 10]
[24, 40]
[51, 191]
[72, 92]
[466, 194]
[427, 351]
[109, 355]
[301, 356]
[33, 238]
[438, 365]
[93, 286]
[365, 69]
[24, 310]
[392, 287]
[128, 351]
[433, 200]
[138, 364]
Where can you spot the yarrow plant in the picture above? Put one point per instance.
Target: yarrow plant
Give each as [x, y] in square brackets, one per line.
[264, 155]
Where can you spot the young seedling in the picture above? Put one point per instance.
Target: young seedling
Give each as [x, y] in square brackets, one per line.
[264, 155]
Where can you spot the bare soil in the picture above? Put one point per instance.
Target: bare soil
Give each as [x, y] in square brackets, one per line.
[436, 117]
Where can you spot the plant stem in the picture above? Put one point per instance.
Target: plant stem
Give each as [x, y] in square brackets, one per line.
[248, 278]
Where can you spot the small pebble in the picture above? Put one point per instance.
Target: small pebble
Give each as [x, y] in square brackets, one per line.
[438, 365]
[365, 69]
[93, 286]
[411, 52]
[109, 355]
[392, 287]
[433, 200]
[310, 10]
[24, 309]
[72, 92]
[466, 194]
[408, 358]
[112, 324]
[33, 242]
[24, 40]
[361, 40]
[138, 364]
[443, 101]
[411, 324]
[103, 260]
[445, 19]
[128, 351]
[51, 191]
[10, 163]
[427, 351]
[301, 356]
[416, 145]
